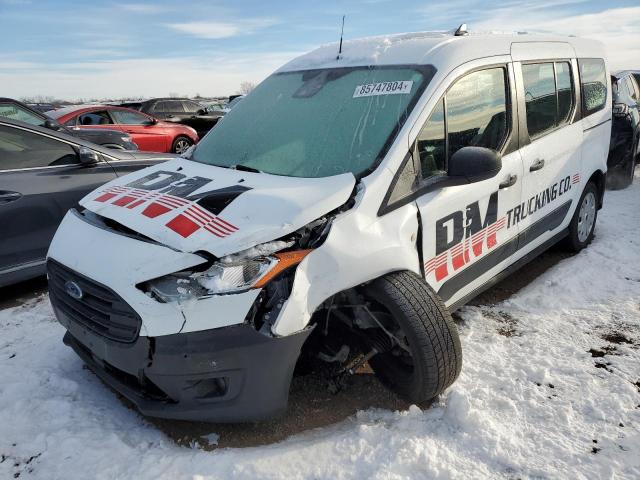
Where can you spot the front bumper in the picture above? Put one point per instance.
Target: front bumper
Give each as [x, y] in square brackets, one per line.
[229, 374]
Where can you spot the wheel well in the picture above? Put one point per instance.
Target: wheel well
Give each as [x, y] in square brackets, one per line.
[599, 179]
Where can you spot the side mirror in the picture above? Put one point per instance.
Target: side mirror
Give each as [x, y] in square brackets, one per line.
[151, 121]
[202, 111]
[474, 164]
[88, 157]
[52, 125]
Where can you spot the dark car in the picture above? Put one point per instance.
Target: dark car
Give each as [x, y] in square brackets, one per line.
[43, 107]
[43, 173]
[184, 111]
[624, 150]
[16, 110]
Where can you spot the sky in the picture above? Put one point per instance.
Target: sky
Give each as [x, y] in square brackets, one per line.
[73, 49]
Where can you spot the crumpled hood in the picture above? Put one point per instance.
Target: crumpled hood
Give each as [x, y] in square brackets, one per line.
[192, 207]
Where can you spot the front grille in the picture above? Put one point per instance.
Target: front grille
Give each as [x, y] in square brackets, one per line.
[99, 309]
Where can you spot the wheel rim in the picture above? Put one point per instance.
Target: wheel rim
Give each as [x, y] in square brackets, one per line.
[182, 145]
[587, 216]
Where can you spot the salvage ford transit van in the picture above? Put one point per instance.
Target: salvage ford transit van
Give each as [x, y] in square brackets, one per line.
[339, 213]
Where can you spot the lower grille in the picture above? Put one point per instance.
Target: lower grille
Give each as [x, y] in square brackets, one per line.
[91, 304]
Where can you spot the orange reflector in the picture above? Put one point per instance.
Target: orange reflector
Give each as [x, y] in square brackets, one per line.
[285, 260]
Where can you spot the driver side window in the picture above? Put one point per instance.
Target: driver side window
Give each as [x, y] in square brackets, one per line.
[473, 112]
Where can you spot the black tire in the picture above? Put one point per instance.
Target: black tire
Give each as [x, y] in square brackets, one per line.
[621, 176]
[573, 241]
[431, 335]
[180, 144]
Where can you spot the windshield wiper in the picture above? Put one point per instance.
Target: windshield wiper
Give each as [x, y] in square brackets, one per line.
[245, 168]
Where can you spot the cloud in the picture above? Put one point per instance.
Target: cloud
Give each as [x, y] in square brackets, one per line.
[142, 8]
[617, 28]
[217, 30]
[143, 77]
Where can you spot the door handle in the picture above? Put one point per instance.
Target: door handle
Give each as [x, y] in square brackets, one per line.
[537, 165]
[509, 182]
[6, 197]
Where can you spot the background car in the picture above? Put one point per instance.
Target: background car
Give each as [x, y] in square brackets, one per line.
[149, 134]
[43, 173]
[184, 111]
[43, 107]
[233, 101]
[624, 148]
[13, 109]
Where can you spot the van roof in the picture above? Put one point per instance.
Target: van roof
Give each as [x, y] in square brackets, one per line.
[441, 49]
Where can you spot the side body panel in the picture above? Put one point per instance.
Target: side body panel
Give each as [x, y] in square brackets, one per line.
[553, 176]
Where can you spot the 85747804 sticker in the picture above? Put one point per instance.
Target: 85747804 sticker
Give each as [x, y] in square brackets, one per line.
[383, 88]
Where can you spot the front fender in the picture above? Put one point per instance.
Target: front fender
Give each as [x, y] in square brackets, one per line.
[356, 250]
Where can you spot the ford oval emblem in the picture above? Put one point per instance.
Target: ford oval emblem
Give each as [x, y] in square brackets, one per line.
[73, 290]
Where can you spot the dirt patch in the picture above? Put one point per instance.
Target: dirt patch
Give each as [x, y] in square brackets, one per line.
[616, 337]
[604, 365]
[601, 352]
[15, 295]
[506, 323]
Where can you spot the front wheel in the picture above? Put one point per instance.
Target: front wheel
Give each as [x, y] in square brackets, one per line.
[430, 357]
[181, 144]
[584, 219]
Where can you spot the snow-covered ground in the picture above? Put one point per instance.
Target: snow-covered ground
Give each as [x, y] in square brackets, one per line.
[550, 389]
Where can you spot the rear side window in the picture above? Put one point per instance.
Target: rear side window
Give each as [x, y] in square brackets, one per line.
[472, 113]
[95, 118]
[593, 79]
[191, 107]
[548, 95]
[126, 117]
[174, 106]
[22, 149]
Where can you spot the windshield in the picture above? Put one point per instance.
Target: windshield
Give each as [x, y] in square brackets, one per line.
[316, 123]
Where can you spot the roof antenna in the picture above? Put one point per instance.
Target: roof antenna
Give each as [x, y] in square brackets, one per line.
[461, 31]
[341, 35]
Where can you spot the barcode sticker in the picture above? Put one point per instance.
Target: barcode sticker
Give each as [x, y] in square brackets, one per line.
[383, 88]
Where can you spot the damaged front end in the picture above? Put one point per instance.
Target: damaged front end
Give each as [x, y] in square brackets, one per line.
[237, 371]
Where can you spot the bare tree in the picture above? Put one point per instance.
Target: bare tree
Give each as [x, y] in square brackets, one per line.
[246, 87]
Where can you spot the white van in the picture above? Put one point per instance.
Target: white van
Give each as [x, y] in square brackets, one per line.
[341, 210]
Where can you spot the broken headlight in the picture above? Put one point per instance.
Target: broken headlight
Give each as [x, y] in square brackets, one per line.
[253, 268]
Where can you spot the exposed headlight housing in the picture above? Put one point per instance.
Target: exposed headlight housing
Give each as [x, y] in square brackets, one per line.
[236, 273]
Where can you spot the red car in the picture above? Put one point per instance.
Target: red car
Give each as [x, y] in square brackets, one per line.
[150, 134]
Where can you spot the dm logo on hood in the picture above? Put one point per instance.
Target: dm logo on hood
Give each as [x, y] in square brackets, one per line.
[162, 192]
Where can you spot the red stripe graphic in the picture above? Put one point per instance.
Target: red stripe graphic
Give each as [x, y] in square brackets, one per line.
[460, 254]
[183, 226]
[123, 201]
[190, 220]
[154, 210]
[105, 197]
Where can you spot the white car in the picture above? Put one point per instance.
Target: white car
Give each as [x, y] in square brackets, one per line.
[341, 210]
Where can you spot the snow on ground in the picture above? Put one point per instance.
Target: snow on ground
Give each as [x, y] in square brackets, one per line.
[532, 400]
